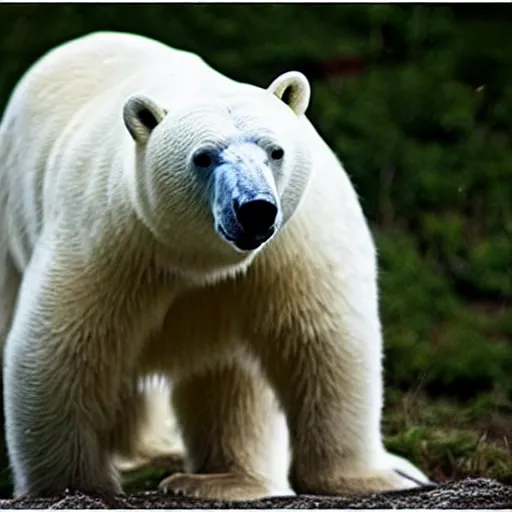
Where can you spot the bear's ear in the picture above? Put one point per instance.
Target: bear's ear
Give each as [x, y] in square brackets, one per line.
[293, 89]
[141, 115]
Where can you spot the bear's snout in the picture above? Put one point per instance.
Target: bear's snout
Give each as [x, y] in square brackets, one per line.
[249, 223]
[246, 206]
[256, 217]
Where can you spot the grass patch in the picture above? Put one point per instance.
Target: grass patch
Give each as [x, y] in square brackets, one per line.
[449, 440]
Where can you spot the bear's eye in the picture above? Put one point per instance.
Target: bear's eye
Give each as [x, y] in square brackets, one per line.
[202, 159]
[277, 154]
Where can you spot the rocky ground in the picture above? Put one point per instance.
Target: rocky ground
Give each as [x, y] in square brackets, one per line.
[477, 493]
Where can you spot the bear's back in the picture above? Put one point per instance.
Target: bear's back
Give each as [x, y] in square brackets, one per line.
[69, 76]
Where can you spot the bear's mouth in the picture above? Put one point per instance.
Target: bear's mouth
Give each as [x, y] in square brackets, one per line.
[245, 242]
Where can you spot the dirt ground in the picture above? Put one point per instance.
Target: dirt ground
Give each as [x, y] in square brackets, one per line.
[472, 493]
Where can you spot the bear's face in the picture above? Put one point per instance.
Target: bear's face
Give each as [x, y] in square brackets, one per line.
[216, 177]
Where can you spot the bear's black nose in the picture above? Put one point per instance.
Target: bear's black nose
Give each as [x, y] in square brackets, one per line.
[257, 216]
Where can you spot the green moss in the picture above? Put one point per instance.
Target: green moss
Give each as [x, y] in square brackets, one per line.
[450, 441]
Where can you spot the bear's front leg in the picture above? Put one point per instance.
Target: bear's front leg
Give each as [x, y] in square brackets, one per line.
[322, 350]
[75, 335]
[224, 413]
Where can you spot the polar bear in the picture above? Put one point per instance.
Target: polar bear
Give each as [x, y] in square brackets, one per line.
[159, 218]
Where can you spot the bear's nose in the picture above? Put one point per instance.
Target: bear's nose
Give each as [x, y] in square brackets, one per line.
[256, 216]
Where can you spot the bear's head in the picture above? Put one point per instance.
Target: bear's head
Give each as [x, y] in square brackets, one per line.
[218, 173]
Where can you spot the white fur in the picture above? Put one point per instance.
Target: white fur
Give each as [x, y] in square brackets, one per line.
[123, 275]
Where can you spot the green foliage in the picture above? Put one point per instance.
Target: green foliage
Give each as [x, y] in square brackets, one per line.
[433, 337]
[425, 133]
[448, 440]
